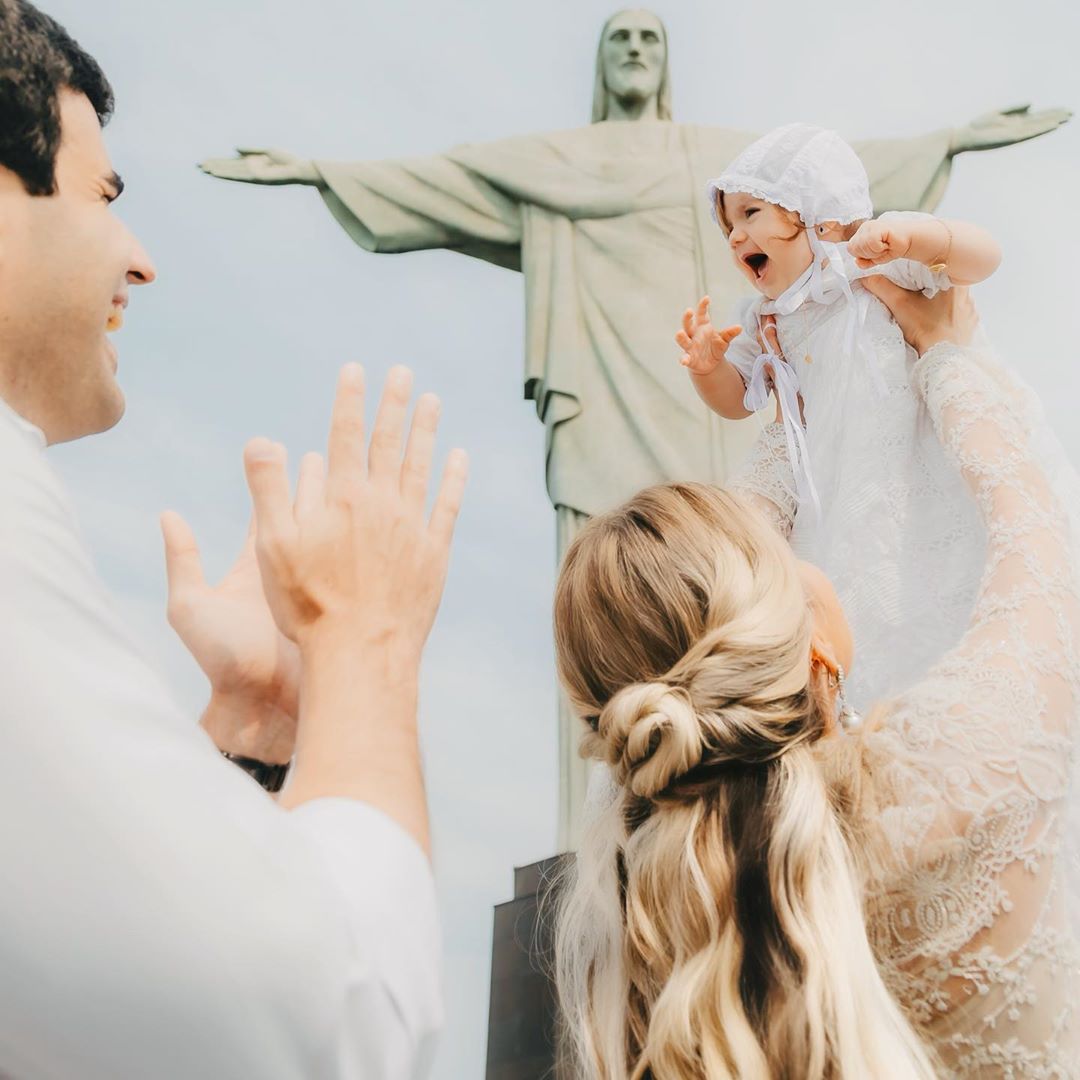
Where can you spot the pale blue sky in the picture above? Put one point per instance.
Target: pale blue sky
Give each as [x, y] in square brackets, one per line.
[261, 296]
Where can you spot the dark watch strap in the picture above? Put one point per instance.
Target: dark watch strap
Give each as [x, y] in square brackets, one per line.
[271, 777]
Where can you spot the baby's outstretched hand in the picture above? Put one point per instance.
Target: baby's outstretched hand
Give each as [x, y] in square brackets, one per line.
[704, 347]
[876, 242]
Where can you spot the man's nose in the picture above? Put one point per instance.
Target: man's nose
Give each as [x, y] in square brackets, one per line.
[141, 270]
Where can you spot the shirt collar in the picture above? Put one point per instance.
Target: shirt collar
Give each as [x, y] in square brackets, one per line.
[30, 432]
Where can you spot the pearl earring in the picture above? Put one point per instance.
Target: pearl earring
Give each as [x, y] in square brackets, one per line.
[849, 719]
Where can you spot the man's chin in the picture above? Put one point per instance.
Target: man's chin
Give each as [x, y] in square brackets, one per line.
[102, 413]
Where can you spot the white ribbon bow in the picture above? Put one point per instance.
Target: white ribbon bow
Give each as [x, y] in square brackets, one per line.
[786, 385]
[827, 279]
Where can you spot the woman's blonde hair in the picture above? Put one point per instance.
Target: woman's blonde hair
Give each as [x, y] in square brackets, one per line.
[713, 926]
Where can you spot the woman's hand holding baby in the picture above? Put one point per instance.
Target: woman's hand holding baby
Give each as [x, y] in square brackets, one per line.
[704, 347]
[949, 316]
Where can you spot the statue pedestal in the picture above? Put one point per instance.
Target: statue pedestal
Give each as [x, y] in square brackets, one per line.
[521, 1020]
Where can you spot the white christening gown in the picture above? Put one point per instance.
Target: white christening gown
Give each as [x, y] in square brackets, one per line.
[893, 527]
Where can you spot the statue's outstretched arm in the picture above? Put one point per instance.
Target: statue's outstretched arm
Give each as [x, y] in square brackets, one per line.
[1005, 127]
[259, 166]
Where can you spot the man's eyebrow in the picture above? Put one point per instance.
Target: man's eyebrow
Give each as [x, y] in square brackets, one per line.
[115, 181]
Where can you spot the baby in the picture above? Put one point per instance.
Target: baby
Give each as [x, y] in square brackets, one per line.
[853, 472]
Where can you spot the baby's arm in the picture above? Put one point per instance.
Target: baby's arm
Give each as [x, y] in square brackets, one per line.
[715, 378]
[967, 252]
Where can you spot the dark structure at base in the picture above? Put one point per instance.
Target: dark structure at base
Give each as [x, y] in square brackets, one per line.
[521, 1022]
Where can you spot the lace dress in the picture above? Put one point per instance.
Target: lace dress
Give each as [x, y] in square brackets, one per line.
[972, 910]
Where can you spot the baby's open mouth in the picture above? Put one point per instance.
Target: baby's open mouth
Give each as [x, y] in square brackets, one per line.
[757, 261]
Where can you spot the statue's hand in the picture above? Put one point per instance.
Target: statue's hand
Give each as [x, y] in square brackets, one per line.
[262, 167]
[1006, 127]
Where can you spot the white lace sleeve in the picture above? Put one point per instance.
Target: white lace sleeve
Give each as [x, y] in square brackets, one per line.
[766, 480]
[1012, 684]
[975, 762]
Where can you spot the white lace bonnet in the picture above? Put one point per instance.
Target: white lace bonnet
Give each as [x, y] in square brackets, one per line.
[803, 168]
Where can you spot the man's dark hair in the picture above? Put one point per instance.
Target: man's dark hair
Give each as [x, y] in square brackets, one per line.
[38, 59]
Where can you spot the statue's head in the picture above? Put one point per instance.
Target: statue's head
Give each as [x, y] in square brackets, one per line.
[632, 63]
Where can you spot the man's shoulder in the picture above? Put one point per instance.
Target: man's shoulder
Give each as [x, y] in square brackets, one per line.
[39, 534]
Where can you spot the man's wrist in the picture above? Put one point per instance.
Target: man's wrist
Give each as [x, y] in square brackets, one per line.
[331, 643]
[248, 728]
[270, 777]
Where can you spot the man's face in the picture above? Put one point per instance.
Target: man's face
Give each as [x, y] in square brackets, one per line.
[634, 55]
[66, 265]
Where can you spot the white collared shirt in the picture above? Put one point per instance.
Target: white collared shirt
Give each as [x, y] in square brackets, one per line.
[160, 916]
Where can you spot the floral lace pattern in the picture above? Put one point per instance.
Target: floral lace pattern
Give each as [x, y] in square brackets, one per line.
[765, 479]
[971, 912]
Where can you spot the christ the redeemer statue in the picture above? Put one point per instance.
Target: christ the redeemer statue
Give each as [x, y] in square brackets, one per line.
[609, 227]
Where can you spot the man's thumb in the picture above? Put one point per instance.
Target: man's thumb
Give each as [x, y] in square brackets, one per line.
[183, 565]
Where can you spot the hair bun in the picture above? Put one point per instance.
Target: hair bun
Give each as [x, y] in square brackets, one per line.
[650, 734]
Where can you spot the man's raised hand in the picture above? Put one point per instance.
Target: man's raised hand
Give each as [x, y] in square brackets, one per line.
[360, 559]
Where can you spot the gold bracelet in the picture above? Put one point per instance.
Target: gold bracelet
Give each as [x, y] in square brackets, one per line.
[941, 264]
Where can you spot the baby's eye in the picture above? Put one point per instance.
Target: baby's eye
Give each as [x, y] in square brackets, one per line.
[751, 210]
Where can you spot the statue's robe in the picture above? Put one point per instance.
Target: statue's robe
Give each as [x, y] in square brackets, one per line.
[610, 227]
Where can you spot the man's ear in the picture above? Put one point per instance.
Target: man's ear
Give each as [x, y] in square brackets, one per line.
[13, 206]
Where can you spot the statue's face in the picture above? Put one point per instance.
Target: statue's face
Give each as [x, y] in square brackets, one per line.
[634, 55]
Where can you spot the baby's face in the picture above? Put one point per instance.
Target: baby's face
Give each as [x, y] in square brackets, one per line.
[769, 248]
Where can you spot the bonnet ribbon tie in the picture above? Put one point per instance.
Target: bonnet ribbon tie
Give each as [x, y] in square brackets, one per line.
[828, 279]
[786, 384]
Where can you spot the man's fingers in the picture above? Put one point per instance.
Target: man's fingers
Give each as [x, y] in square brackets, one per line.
[416, 468]
[310, 485]
[345, 452]
[183, 565]
[448, 501]
[264, 467]
[384, 454]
